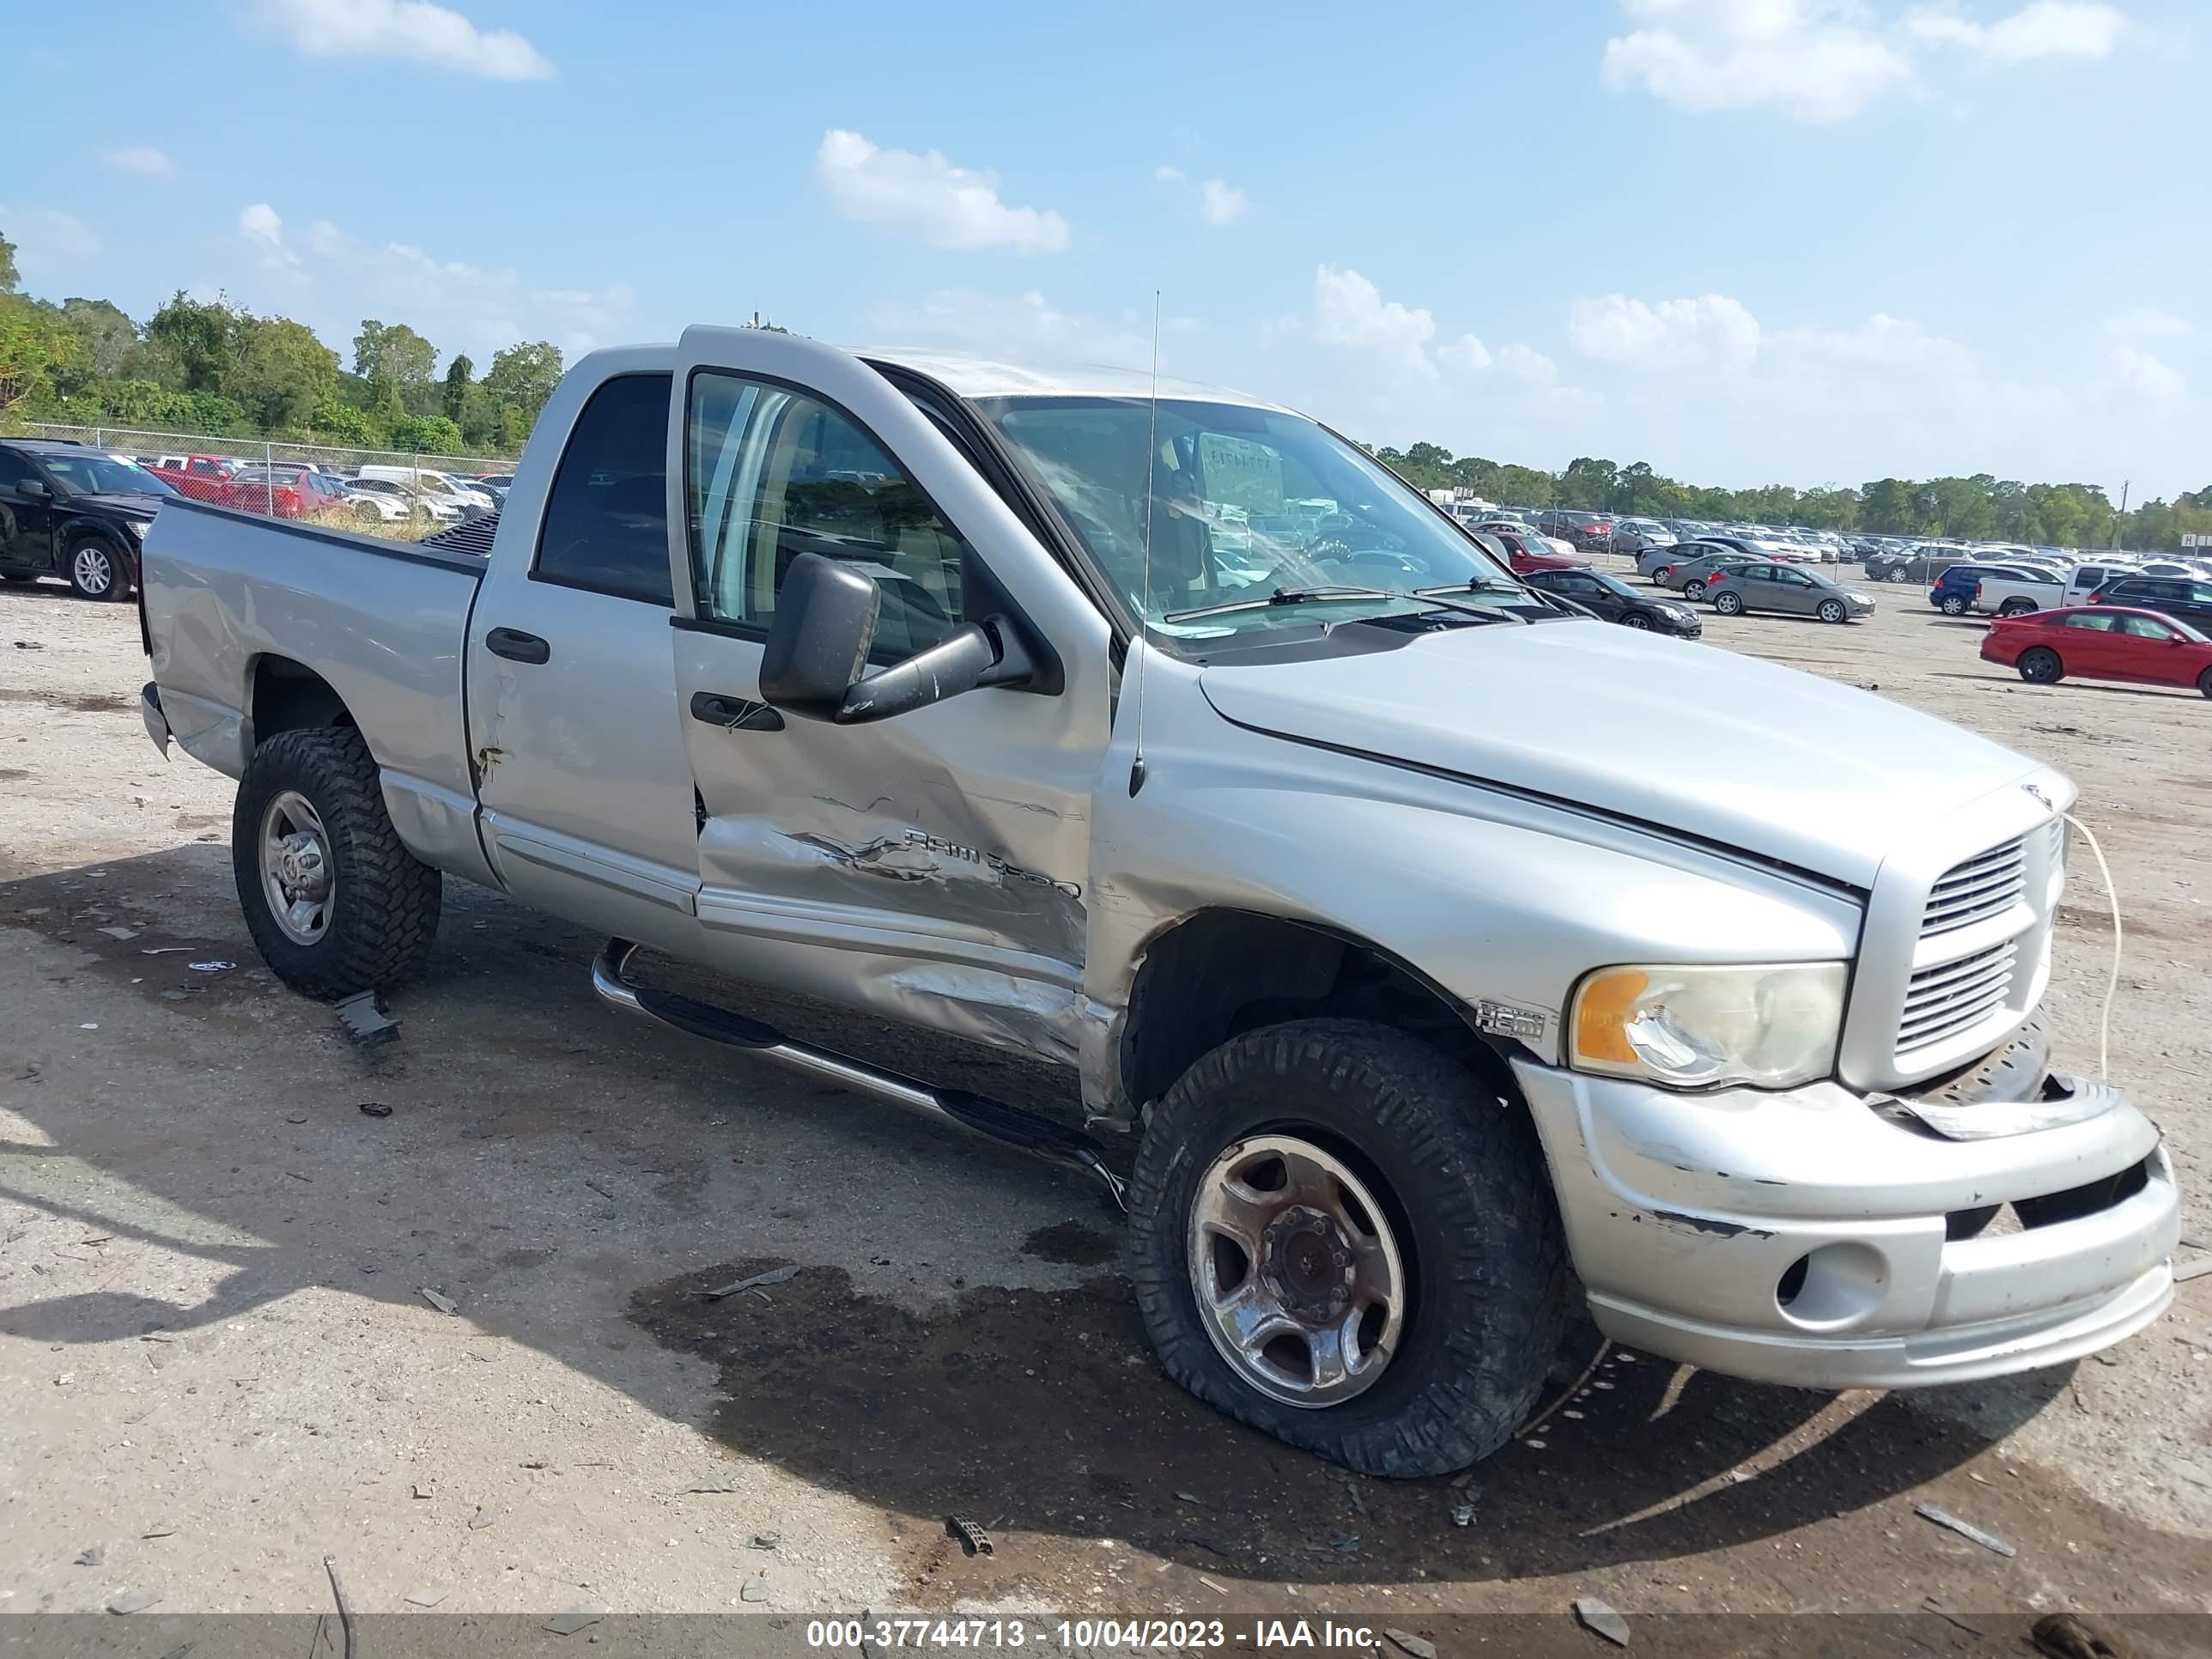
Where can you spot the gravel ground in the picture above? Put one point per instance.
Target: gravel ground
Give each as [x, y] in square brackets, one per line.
[221, 1362]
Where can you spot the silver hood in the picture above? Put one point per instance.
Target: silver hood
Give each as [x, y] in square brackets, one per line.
[1726, 748]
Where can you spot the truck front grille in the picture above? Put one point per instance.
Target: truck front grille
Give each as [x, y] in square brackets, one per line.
[1985, 885]
[1941, 1001]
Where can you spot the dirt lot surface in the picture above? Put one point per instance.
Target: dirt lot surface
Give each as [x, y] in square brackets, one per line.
[221, 1364]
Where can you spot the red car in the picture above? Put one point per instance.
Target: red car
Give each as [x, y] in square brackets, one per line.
[203, 477]
[1523, 558]
[2100, 642]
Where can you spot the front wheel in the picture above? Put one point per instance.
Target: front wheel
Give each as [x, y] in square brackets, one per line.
[1339, 1236]
[1831, 610]
[2041, 667]
[1693, 590]
[1729, 604]
[1900, 574]
[96, 570]
[1633, 620]
[333, 898]
[2204, 681]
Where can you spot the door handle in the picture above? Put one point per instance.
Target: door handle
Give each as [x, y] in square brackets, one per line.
[516, 646]
[734, 714]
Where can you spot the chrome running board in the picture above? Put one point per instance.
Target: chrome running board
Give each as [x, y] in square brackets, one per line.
[991, 1120]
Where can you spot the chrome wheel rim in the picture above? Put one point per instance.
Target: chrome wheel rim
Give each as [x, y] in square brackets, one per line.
[1297, 1274]
[91, 569]
[296, 875]
[1831, 610]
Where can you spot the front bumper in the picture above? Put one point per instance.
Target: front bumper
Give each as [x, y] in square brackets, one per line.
[1688, 1218]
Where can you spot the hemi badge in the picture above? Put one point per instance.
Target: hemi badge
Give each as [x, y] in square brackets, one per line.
[1503, 1019]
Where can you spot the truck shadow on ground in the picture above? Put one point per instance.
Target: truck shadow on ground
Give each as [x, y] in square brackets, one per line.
[1037, 1412]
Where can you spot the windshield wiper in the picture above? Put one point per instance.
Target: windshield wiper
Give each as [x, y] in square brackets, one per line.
[1429, 599]
[1472, 585]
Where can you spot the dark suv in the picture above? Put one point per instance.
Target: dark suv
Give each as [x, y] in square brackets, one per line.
[2183, 598]
[71, 510]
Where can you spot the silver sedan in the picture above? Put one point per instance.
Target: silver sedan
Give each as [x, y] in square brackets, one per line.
[1788, 588]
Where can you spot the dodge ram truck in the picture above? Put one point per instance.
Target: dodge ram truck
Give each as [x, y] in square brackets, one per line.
[1410, 994]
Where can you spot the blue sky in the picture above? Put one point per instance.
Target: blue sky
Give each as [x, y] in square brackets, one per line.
[1747, 240]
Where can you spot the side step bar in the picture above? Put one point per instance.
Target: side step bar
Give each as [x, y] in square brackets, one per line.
[991, 1119]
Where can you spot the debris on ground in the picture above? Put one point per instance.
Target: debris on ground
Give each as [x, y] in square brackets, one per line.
[1597, 1618]
[1190, 1497]
[576, 1619]
[374, 1108]
[479, 1520]
[2189, 1270]
[712, 1483]
[295, 1117]
[30, 645]
[364, 1019]
[442, 1302]
[972, 1540]
[2069, 1635]
[773, 1276]
[92, 1556]
[1405, 1641]
[1462, 1515]
[133, 1601]
[753, 1589]
[211, 966]
[159, 1531]
[1943, 1607]
[1943, 1518]
[118, 932]
[427, 1598]
[419, 1490]
[765, 1541]
[167, 951]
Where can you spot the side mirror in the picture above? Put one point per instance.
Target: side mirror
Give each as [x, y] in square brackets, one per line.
[825, 625]
[37, 490]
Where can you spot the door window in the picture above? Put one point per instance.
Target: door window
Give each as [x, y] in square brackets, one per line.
[771, 473]
[606, 517]
[1793, 578]
[2092, 621]
[13, 470]
[2143, 627]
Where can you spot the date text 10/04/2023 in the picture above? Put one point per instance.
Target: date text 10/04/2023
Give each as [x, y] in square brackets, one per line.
[877, 1634]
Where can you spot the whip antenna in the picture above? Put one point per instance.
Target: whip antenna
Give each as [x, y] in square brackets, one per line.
[1145, 615]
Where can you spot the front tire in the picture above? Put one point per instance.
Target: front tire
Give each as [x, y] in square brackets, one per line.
[1635, 620]
[1831, 610]
[1377, 1221]
[97, 569]
[334, 900]
[2204, 681]
[1729, 605]
[2039, 665]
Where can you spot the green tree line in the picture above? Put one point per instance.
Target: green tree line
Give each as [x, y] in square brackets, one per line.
[215, 369]
[1983, 508]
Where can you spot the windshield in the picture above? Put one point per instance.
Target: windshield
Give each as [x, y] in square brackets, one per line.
[103, 475]
[1231, 503]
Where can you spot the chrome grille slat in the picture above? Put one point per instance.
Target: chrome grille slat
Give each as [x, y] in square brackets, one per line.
[1952, 997]
[1987, 884]
[1944, 977]
[1953, 1015]
[1938, 1005]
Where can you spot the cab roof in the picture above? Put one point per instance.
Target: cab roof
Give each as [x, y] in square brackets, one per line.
[986, 377]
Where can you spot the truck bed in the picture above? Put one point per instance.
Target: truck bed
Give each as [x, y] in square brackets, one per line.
[237, 605]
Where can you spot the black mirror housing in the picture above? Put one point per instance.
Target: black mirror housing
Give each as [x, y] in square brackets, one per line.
[817, 652]
[818, 643]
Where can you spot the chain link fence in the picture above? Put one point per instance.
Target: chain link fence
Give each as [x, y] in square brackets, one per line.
[385, 492]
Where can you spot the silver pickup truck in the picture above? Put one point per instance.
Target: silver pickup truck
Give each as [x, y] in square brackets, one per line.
[1414, 989]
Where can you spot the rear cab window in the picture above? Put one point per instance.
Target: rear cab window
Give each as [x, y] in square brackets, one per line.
[605, 528]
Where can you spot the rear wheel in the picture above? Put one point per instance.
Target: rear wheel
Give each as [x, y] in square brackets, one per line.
[1729, 603]
[1831, 610]
[1339, 1236]
[1953, 605]
[334, 900]
[1659, 576]
[2039, 665]
[2015, 607]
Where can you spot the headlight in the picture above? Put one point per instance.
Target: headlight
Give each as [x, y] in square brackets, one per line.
[1689, 1028]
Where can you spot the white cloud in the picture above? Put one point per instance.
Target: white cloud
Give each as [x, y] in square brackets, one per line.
[1816, 59]
[48, 242]
[1527, 365]
[2148, 322]
[1218, 202]
[413, 29]
[263, 228]
[1348, 310]
[928, 197]
[1826, 60]
[142, 158]
[2147, 377]
[1023, 325]
[1712, 329]
[2046, 28]
[1467, 353]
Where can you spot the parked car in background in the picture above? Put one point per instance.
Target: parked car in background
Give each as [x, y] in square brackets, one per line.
[1692, 578]
[1922, 563]
[2171, 596]
[2185, 568]
[394, 499]
[202, 477]
[1633, 536]
[2083, 579]
[1789, 589]
[1614, 600]
[1523, 557]
[1591, 532]
[288, 492]
[2009, 591]
[1519, 539]
[431, 485]
[1666, 565]
[68, 511]
[2101, 642]
[501, 482]
[1956, 586]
